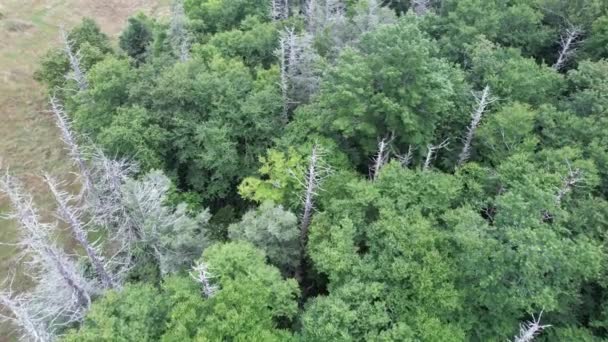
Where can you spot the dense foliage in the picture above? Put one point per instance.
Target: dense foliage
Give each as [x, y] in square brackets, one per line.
[362, 185]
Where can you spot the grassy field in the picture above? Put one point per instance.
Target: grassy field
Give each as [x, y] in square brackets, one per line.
[29, 142]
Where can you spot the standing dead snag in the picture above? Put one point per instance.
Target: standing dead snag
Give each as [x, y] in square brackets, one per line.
[483, 101]
[381, 157]
[74, 151]
[315, 174]
[431, 151]
[406, 159]
[72, 216]
[178, 33]
[78, 72]
[530, 329]
[421, 7]
[568, 46]
[573, 178]
[201, 274]
[279, 9]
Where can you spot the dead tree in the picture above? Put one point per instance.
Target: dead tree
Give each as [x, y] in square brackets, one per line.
[316, 172]
[200, 273]
[573, 178]
[74, 150]
[406, 159]
[287, 53]
[279, 9]
[33, 327]
[78, 73]
[568, 46]
[421, 7]
[431, 152]
[381, 157]
[178, 33]
[483, 100]
[59, 280]
[530, 329]
[71, 215]
[310, 9]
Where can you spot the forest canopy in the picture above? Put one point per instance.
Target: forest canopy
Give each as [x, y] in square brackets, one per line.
[328, 170]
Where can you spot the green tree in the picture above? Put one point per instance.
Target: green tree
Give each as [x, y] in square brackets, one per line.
[273, 230]
[223, 15]
[394, 83]
[137, 37]
[136, 313]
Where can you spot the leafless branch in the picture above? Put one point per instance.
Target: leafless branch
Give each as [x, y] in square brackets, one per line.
[33, 328]
[573, 178]
[201, 274]
[78, 72]
[421, 7]
[431, 151]
[483, 100]
[180, 37]
[530, 329]
[279, 9]
[71, 215]
[61, 286]
[316, 172]
[406, 159]
[74, 150]
[568, 46]
[381, 157]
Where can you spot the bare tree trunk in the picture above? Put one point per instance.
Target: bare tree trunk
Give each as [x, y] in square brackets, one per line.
[74, 151]
[312, 183]
[406, 159]
[283, 53]
[78, 72]
[431, 151]
[381, 158]
[71, 216]
[567, 43]
[482, 102]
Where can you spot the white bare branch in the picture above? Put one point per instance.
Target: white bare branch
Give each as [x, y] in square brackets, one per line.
[295, 63]
[573, 178]
[200, 273]
[381, 157]
[62, 289]
[406, 159]
[180, 37]
[279, 9]
[421, 7]
[74, 150]
[530, 329]
[568, 42]
[316, 172]
[33, 328]
[432, 151]
[78, 73]
[483, 100]
[71, 215]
